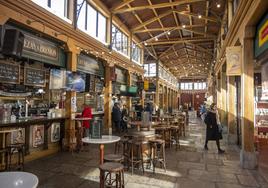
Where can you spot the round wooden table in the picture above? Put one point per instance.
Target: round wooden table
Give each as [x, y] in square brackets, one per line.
[18, 180]
[106, 139]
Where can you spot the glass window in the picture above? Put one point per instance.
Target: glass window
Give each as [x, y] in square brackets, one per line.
[119, 40]
[91, 26]
[81, 21]
[136, 52]
[150, 69]
[101, 28]
[57, 7]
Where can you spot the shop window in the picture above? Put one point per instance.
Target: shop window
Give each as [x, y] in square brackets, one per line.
[136, 53]
[57, 7]
[150, 69]
[119, 40]
[91, 21]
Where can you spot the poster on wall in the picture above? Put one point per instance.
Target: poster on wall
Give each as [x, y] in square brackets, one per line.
[38, 135]
[264, 78]
[55, 132]
[233, 61]
[18, 136]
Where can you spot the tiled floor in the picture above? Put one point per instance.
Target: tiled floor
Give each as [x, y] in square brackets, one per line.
[188, 167]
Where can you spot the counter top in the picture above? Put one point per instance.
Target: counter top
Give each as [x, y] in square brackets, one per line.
[30, 120]
[98, 113]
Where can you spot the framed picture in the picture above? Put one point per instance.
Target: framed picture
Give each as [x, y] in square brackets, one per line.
[18, 136]
[55, 132]
[38, 135]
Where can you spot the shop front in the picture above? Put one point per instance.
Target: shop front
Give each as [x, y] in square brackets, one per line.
[261, 91]
[120, 86]
[92, 70]
[30, 113]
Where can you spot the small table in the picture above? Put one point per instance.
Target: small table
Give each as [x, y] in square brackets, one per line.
[18, 180]
[106, 139]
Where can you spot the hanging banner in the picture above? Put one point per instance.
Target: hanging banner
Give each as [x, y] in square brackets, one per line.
[233, 60]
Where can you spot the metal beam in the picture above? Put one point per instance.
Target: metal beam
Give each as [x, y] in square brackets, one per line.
[155, 6]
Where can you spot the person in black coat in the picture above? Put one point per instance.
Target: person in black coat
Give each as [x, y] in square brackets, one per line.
[124, 118]
[213, 132]
[116, 117]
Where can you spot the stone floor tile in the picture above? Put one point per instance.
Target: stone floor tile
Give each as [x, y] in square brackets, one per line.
[191, 183]
[247, 180]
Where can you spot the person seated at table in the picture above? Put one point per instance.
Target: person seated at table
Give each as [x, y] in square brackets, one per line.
[87, 113]
[124, 118]
[116, 117]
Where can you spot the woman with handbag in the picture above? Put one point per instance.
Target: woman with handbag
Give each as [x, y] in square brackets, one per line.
[214, 129]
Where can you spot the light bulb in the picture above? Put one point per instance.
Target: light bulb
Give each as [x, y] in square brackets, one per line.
[168, 33]
[183, 26]
[156, 39]
[199, 16]
[218, 5]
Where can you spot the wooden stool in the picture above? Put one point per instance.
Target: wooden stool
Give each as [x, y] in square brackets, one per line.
[175, 135]
[137, 159]
[106, 175]
[4, 153]
[158, 152]
[113, 158]
[19, 149]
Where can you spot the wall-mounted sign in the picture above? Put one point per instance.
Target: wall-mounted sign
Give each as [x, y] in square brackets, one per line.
[233, 61]
[261, 38]
[88, 65]
[55, 132]
[40, 49]
[146, 85]
[121, 76]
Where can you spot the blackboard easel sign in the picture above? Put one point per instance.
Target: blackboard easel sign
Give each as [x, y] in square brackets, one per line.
[96, 129]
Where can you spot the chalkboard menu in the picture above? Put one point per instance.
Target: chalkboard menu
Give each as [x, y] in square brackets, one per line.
[9, 73]
[96, 128]
[34, 77]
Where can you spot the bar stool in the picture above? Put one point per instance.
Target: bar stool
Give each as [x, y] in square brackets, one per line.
[107, 170]
[4, 152]
[158, 152]
[135, 145]
[113, 158]
[18, 149]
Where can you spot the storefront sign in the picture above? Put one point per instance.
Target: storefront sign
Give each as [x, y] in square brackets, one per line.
[261, 38]
[233, 59]
[146, 85]
[40, 49]
[35, 45]
[120, 76]
[88, 65]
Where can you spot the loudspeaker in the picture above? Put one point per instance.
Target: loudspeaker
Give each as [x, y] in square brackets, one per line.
[13, 42]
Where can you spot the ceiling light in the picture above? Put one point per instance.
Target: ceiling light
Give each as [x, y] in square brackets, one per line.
[199, 16]
[168, 33]
[218, 5]
[145, 44]
[183, 26]
[156, 39]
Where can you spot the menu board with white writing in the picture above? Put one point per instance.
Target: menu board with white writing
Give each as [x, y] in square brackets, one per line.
[9, 73]
[34, 77]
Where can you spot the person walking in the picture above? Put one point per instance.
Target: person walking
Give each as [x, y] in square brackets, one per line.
[213, 131]
[116, 117]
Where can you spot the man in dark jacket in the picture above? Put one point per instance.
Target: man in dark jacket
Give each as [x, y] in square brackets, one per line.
[213, 132]
[116, 117]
